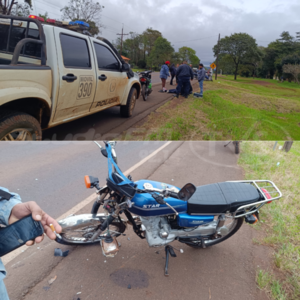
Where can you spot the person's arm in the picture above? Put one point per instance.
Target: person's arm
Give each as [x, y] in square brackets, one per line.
[13, 210]
[6, 206]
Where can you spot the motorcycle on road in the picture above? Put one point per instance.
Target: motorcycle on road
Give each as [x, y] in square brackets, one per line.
[161, 213]
[145, 80]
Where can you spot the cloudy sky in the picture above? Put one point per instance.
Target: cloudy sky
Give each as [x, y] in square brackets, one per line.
[195, 24]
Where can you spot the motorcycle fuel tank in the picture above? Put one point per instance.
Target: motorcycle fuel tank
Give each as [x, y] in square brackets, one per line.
[145, 206]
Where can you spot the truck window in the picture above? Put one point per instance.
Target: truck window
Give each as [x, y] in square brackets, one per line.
[75, 52]
[18, 33]
[106, 60]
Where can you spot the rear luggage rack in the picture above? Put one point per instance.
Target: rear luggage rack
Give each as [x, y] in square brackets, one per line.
[268, 190]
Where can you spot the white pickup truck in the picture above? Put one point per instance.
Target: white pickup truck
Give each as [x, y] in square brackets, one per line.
[51, 75]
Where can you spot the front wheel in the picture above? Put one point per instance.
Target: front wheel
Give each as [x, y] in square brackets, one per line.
[19, 126]
[127, 110]
[77, 230]
[233, 227]
[145, 92]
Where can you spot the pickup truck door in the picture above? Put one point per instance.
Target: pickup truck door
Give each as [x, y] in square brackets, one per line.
[111, 81]
[77, 75]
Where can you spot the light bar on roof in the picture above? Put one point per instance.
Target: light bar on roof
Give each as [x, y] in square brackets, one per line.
[79, 23]
[37, 18]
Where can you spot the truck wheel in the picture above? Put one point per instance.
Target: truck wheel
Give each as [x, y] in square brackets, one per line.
[127, 110]
[19, 126]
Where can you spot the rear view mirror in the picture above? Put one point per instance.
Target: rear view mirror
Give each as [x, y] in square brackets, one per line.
[187, 192]
[125, 67]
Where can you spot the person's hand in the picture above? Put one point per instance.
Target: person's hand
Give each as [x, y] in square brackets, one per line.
[22, 210]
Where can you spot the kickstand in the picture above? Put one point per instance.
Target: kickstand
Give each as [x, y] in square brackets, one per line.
[227, 144]
[169, 250]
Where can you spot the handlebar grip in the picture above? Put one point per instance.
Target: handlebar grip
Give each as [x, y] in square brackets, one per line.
[173, 195]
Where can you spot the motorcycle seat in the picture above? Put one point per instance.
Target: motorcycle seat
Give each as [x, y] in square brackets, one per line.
[222, 197]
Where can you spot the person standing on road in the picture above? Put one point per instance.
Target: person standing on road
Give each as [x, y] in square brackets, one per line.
[184, 75]
[200, 76]
[173, 73]
[164, 74]
[13, 210]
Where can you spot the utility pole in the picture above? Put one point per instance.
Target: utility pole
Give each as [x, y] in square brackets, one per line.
[216, 75]
[122, 34]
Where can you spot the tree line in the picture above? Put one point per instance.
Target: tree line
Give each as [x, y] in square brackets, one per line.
[150, 49]
[239, 54]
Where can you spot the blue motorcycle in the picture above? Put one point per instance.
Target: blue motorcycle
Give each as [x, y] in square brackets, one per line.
[161, 213]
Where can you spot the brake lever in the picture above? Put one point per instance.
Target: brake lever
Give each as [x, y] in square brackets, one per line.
[159, 199]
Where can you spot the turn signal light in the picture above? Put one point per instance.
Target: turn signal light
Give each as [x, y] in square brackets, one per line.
[251, 219]
[87, 181]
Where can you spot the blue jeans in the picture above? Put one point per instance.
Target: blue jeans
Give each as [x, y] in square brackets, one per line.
[3, 292]
[201, 87]
[183, 86]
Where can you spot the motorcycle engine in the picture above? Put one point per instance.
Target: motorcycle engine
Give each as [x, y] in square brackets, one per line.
[157, 231]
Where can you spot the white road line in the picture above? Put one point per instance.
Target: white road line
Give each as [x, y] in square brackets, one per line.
[10, 256]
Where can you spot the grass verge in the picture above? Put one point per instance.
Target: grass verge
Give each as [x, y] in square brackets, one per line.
[230, 110]
[281, 219]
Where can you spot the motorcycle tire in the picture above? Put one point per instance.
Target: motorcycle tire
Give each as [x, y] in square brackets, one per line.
[208, 242]
[144, 92]
[79, 236]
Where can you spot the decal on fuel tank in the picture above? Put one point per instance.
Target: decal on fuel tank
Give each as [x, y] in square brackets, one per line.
[151, 205]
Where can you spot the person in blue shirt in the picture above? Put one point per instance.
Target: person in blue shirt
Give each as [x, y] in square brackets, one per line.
[201, 76]
[184, 75]
[13, 210]
[164, 74]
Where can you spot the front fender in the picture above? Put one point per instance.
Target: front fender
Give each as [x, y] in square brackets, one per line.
[134, 81]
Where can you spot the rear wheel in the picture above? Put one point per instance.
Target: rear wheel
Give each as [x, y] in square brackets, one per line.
[144, 92]
[127, 110]
[19, 126]
[234, 225]
[81, 235]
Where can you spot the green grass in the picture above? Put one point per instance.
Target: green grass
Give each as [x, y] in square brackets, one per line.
[281, 219]
[235, 110]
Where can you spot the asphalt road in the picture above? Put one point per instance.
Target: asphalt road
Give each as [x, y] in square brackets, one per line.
[52, 174]
[225, 271]
[108, 124]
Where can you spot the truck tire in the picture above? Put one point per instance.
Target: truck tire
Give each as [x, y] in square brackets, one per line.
[126, 111]
[19, 126]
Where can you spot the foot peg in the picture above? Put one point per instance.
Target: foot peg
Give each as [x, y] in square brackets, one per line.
[169, 250]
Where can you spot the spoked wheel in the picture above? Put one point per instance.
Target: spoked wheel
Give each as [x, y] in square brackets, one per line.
[233, 225]
[144, 92]
[82, 235]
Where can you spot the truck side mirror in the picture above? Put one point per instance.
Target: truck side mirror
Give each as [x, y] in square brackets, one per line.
[125, 67]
